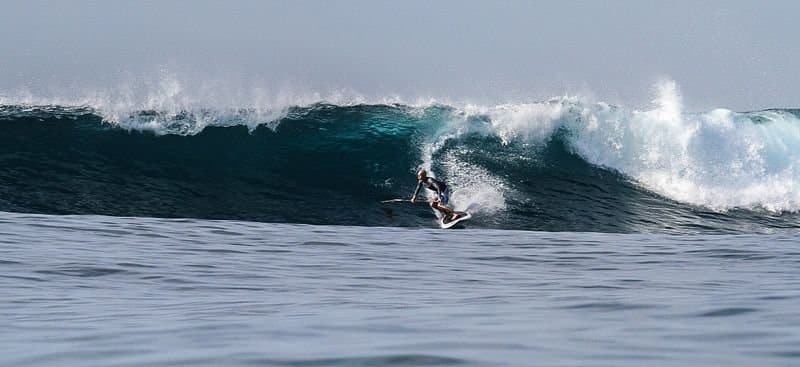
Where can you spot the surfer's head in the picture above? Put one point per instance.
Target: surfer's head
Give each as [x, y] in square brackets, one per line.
[422, 174]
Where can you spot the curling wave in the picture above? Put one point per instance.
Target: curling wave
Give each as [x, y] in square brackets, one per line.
[566, 164]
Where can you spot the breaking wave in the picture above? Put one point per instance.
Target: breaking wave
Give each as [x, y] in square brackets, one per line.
[567, 163]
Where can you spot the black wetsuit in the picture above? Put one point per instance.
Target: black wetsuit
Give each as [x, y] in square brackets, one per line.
[434, 185]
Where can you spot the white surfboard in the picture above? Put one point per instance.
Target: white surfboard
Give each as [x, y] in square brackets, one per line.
[403, 201]
[464, 216]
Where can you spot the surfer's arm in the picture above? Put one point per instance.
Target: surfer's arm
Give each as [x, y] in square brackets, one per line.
[414, 197]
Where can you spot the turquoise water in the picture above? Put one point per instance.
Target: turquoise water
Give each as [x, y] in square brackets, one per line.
[126, 291]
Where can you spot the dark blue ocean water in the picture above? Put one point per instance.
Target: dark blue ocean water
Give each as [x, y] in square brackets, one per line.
[113, 291]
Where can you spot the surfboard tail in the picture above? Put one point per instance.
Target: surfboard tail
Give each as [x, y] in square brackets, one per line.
[445, 223]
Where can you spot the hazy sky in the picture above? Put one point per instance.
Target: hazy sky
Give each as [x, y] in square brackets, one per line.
[740, 55]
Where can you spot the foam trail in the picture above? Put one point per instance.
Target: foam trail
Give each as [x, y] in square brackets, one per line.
[475, 187]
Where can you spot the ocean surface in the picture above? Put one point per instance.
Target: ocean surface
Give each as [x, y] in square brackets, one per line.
[174, 232]
[116, 291]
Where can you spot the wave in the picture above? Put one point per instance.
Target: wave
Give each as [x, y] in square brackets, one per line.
[566, 164]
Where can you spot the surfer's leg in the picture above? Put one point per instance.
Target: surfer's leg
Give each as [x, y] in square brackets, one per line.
[435, 206]
[445, 210]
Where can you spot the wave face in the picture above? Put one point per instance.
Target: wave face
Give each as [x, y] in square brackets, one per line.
[559, 165]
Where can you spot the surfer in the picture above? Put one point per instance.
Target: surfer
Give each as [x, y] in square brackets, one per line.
[442, 197]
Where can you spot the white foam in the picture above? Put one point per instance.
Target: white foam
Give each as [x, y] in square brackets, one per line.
[473, 187]
[720, 159]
